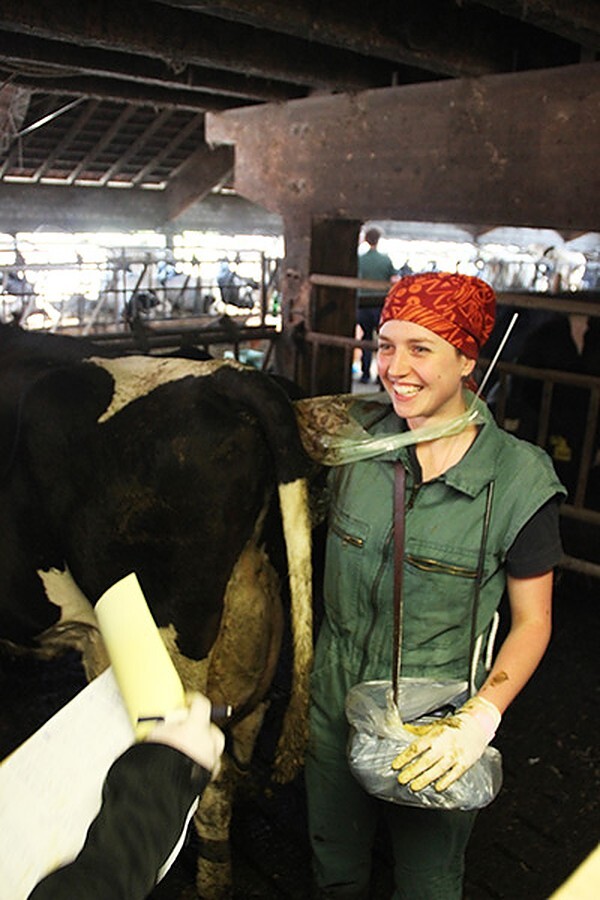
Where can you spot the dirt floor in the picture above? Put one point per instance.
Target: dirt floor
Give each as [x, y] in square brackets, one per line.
[544, 822]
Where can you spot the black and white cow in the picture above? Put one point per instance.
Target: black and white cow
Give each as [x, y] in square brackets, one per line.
[169, 468]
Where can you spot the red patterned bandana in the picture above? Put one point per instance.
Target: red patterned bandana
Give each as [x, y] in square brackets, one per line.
[458, 308]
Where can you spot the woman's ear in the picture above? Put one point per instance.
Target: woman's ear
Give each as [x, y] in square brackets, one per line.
[468, 366]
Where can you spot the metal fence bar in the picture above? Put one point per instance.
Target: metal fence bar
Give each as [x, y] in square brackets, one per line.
[168, 338]
[587, 452]
[582, 566]
[565, 303]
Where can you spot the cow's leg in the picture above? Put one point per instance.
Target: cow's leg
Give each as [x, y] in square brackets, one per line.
[213, 818]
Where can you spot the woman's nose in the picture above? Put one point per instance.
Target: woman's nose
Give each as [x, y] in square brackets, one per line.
[399, 363]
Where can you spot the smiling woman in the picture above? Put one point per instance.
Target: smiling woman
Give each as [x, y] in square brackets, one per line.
[431, 329]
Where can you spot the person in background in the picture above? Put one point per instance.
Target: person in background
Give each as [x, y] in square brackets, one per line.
[375, 266]
[431, 330]
[149, 796]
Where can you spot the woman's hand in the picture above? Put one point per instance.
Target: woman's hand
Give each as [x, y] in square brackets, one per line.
[444, 750]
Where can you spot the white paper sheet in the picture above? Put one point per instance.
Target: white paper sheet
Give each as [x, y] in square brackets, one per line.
[51, 786]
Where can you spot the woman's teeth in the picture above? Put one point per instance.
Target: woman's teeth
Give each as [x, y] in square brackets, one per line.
[406, 390]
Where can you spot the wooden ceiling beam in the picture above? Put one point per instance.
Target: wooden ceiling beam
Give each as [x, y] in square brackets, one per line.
[449, 38]
[30, 54]
[575, 20]
[92, 154]
[127, 91]
[508, 149]
[204, 170]
[133, 148]
[183, 38]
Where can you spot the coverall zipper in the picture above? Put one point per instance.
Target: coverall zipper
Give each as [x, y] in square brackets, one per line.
[373, 596]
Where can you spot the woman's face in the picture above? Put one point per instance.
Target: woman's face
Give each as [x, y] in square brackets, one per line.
[421, 372]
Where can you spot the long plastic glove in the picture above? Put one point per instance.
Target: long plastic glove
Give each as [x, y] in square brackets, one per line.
[444, 750]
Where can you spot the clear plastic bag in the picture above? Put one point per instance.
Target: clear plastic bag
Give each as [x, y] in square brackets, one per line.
[332, 437]
[377, 736]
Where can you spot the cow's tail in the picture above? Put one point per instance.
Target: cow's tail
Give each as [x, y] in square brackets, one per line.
[275, 413]
[293, 498]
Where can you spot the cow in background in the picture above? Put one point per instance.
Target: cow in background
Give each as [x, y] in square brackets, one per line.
[165, 467]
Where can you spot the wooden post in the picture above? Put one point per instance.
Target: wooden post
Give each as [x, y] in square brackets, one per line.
[334, 246]
[327, 246]
[295, 303]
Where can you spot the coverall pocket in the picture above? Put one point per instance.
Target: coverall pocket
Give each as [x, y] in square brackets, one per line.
[345, 570]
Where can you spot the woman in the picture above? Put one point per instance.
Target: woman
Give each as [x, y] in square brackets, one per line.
[431, 330]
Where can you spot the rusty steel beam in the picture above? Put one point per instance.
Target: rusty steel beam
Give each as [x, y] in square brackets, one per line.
[503, 149]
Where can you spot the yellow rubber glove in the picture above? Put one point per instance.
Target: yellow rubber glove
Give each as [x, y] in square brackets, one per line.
[445, 749]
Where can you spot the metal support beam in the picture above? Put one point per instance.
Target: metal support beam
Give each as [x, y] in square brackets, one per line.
[485, 151]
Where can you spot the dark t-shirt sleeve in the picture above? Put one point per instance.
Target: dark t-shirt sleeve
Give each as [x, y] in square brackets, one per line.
[537, 547]
[148, 793]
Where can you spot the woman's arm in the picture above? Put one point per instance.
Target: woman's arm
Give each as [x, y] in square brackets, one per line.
[530, 601]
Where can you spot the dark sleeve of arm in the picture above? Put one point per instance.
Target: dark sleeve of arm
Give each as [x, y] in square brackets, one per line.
[147, 797]
[537, 548]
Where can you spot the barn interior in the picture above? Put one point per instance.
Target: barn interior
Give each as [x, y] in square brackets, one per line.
[456, 123]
